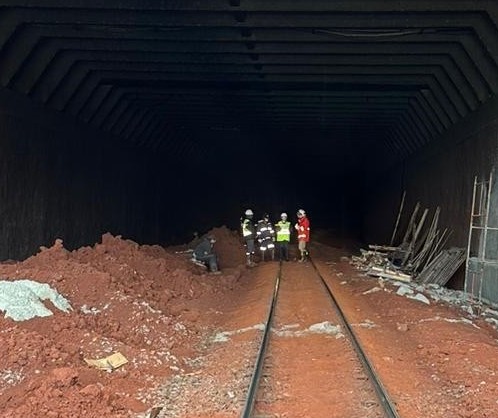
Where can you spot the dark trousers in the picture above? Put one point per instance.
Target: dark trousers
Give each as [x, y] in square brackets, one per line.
[249, 247]
[283, 250]
[210, 260]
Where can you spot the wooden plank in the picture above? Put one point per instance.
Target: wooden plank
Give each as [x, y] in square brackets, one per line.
[443, 267]
[389, 274]
[410, 224]
[385, 248]
[398, 218]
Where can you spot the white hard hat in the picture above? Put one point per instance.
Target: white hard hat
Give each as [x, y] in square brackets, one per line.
[301, 212]
[249, 212]
[283, 215]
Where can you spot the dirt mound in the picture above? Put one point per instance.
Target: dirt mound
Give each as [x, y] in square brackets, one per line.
[127, 298]
[228, 247]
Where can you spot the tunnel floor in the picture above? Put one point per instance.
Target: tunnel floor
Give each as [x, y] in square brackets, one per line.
[165, 316]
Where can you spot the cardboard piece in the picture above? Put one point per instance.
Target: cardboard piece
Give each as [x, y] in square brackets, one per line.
[108, 363]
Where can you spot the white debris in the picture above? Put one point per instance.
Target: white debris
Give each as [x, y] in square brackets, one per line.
[438, 293]
[221, 337]
[324, 328]
[11, 377]
[90, 311]
[367, 323]
[492, 321]
[404, 290]
[468, 309]
[450, 320]
[319, 328]
[289, 326]
[420, 297]
[179, 327]
[23, 299]
[491, 312]
[372, 290]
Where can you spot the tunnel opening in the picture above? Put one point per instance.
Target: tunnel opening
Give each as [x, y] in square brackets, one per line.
[126, 126]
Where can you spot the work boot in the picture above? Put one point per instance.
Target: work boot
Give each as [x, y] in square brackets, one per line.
[250, 263]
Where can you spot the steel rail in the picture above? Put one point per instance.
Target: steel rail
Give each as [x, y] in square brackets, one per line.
[253, 388]
[381, 392]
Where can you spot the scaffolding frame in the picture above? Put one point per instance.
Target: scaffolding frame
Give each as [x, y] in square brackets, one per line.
[478, 234]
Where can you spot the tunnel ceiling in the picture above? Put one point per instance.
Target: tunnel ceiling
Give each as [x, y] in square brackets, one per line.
[169, 74]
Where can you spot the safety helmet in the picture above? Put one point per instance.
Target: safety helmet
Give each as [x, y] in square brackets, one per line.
[249, 212]
[283, 215]
[301, 213]
[211, 238]
[266, 216]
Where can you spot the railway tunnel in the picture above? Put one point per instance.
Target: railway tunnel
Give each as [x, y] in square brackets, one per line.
[154, 119]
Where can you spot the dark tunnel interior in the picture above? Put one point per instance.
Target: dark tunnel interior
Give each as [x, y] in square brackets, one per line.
[152, 119]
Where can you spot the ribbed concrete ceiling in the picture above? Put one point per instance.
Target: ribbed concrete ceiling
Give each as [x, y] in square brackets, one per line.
[388, 74]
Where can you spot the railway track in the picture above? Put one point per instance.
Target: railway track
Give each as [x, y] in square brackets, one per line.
[265, 390]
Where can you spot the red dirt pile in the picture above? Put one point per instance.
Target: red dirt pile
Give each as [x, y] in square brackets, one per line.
[136, 300]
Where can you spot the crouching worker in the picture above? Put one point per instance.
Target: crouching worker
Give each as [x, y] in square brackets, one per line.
[204, 253]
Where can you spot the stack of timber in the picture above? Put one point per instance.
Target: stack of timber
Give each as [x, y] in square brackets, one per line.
[443, 267]
[419, 256]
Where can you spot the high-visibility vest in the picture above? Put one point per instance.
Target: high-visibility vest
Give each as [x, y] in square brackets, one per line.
[283, 231]
[247, 229]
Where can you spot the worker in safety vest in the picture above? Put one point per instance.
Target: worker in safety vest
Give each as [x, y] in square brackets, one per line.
[283, 231]
[303, 233]
[266, 237]
[248, 234]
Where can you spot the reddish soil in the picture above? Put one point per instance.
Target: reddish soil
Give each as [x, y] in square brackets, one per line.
[189, 338]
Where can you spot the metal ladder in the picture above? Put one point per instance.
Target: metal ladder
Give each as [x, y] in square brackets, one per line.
[478, 239]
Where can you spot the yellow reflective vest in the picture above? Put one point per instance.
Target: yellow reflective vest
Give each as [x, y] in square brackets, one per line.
[283, 231]
[247, 229]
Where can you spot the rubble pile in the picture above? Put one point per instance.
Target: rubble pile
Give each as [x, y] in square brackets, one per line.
[378, 262]
[420, 256]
